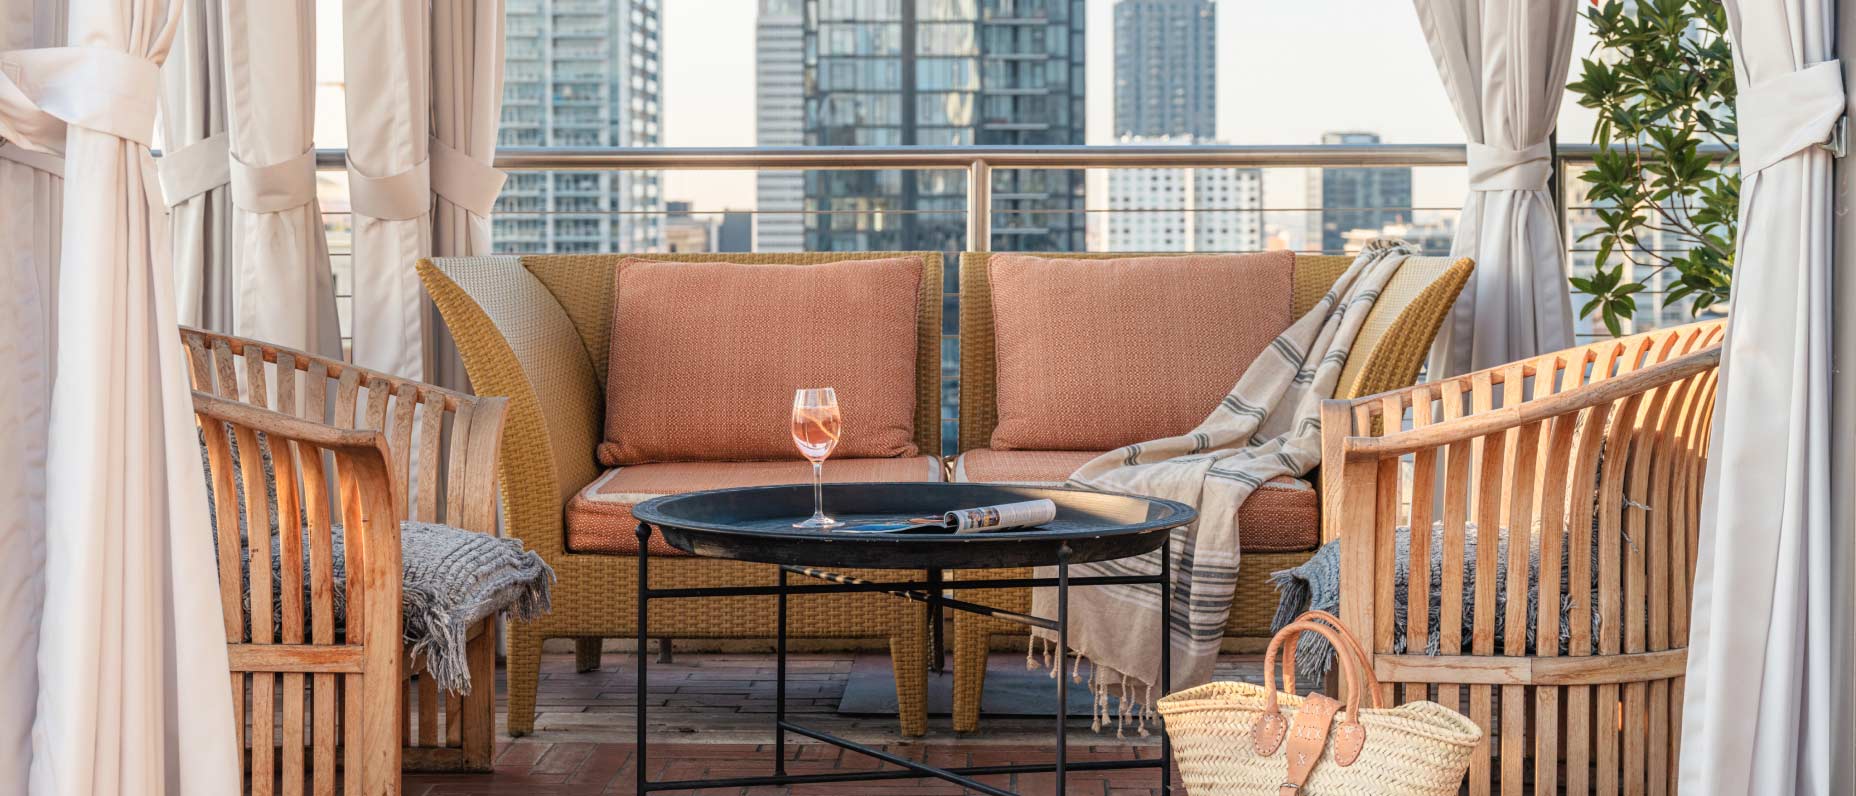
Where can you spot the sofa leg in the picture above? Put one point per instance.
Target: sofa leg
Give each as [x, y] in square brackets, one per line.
[586, 654]
[907, 654]
[524, 672]
[970, 642]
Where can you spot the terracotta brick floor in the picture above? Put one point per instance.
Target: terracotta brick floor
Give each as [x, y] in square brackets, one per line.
[710, 715]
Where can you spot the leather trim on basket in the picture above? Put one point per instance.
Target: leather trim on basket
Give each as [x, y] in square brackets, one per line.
[1308, 735]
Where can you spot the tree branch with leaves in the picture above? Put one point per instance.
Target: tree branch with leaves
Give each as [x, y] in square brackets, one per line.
[1661, 78]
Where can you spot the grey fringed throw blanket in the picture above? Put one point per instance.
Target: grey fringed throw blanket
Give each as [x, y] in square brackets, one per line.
[1316, 585]
[452, 579]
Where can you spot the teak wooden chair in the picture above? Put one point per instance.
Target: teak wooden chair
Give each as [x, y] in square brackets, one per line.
[1593, 459]
[355, 447]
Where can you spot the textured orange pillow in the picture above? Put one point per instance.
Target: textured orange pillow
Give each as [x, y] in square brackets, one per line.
[705, 358]
[1097, 354]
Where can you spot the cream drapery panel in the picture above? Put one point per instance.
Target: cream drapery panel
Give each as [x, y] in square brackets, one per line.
[1504, 66]
[196, 168]
[31, 198]
[132, 672]
[1758, 716]
[285, 293]
[467, 102]
[1843, 434]
[387, 59]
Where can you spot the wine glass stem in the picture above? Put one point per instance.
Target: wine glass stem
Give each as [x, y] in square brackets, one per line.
[818, 489]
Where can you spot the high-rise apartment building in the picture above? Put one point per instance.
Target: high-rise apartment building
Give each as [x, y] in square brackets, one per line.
[1355, 198]
[1166, 68]
[581, 73]
[942, 73]
[1184, 210]
[1166, 58]
[780, 120]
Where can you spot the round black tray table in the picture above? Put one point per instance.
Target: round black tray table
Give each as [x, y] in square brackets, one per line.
[755, 524]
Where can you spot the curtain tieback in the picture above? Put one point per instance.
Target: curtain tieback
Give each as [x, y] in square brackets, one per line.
[1788, 114]
[1496, 169]
[50, 164]
[195, 168]
[464, 181]
[276, 187]
[96, 88]
[395, 197]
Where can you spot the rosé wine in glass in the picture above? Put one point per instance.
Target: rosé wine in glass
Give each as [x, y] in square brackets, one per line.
[816, 426]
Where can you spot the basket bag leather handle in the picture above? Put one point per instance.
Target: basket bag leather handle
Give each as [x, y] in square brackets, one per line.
[1308, 735]
[1352, 647]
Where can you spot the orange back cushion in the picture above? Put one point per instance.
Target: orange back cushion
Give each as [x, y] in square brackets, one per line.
[1097, 354]
[705, 358]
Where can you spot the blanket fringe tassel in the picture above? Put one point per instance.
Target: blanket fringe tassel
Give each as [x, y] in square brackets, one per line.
[1042, 652]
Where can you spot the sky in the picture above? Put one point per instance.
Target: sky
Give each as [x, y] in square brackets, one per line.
[1288, 70]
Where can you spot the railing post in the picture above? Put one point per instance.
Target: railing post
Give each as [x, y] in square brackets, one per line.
[979, 206]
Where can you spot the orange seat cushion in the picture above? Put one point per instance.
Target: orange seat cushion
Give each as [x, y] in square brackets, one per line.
[1282, 517]
[599, 516]
[1096, 354]
[705, 358]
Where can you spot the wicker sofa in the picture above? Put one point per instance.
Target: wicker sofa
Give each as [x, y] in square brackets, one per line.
[1601, 450]
[398, 450]
[1282, 522]
[537, 330]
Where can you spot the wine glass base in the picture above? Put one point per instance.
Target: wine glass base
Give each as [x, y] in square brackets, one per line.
[819, 522]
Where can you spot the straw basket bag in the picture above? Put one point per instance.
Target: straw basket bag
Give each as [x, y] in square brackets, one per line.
[1237, 739]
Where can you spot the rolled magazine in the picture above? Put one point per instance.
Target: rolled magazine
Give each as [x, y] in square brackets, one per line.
[1003, 517]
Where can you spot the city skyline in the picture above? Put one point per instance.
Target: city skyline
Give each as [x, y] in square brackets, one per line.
[1271, 91]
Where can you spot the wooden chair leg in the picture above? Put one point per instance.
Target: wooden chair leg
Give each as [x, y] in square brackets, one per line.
[524, 676]
[478, 712]
[586, 654]
[971, 637]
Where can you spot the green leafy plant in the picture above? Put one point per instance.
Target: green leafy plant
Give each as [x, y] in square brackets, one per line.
[1661, 78]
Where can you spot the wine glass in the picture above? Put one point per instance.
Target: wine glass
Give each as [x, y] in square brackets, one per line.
[816, 425]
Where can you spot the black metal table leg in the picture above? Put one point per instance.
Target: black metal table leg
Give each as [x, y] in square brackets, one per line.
[1063, 678]
[779, 679]
[937, 623]
[643, 653]
[1166, 660]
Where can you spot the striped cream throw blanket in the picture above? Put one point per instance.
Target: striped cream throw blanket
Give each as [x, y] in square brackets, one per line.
[1267, 426]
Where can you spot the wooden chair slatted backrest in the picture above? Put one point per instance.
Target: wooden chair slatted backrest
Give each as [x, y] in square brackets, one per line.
[1588, 461]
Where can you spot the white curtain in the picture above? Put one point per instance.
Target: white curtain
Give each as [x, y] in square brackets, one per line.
[1504, 65]
[467, 102]
[1758, 711]
[388, 62]
[284, 292]
[1843, 435]
[195, 168]
[132, 685]
[31, 196]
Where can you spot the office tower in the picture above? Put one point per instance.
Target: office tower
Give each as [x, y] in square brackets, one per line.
[780, 120]
[684, 232]
[943, 73]
[735, 233]
[581, 73]
[1355, 198]
[1181, 210]
[1166, 68]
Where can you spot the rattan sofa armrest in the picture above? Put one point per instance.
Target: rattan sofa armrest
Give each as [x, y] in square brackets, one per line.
[518, 343]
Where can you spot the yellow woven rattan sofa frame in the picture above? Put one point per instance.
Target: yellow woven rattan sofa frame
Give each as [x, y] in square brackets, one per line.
[1388, 354]
[535, 329]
